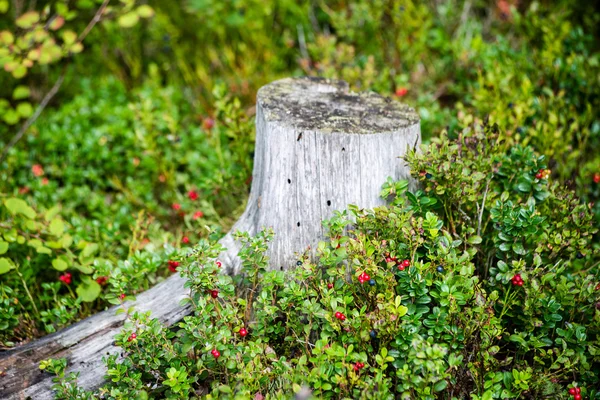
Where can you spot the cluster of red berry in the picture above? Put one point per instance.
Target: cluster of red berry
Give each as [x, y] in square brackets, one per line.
[132, 337]
[401, 92]
[575, 392]
[517, 280]
[102, 280]
[358, 366]
[215, 353]
[173, 265]
[65, 278]
[364, 277]
[340, 316]
[596, 178]
[402, 265]
[542, 173]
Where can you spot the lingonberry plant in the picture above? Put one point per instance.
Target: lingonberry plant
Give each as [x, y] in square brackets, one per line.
[475, 289]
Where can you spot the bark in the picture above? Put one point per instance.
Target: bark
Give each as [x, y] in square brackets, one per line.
[319, 147]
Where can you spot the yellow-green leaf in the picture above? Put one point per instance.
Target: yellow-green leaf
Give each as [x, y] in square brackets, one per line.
[24, 109]
[51, 213]
[28, 19]
[60, 264]
[88, 290]
[69, 37]
[19, 72]
[5, 265]
[129, 19]
[4, 4]
[18, 206]
[21, 92]
[6, 37]
[145, 11]
[57, 227]
[66, 241]
[76, 48]
[89, 249]
[3, 247]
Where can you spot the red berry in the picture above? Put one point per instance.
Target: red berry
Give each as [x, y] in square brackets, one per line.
[596, 178]
[198, 214]
[388, 260]
[400, 92]
[366, 277]
[214, 293]
[338, 315]
[572, 391]
[343, 317]
[193, 195]
[597, 287]
[185, 240]
[219, 264]
[173, 266]
[65, 278]
[176, 206]
[406, 263]
[122, 296]
[401, 267]
[577, 397]
[215, 353]
[330, 286]
[577, 390]
[134, 335]
[243, 332]
[208, 123]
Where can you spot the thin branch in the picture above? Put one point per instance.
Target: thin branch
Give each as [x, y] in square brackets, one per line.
[94, 21]
[487, 184]
[34, 117]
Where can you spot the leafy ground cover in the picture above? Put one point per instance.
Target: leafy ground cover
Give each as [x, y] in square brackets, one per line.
[150, 139]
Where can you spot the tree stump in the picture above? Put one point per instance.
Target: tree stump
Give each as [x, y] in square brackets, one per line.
[319, 147]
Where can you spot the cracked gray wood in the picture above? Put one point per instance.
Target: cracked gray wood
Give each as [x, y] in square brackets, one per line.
[319, 147]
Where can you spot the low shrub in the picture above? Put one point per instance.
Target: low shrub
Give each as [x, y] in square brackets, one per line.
[482, 284]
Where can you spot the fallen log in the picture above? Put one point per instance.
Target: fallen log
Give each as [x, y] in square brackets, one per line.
[319, 147]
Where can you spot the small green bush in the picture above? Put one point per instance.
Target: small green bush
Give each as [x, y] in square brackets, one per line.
[481, 284]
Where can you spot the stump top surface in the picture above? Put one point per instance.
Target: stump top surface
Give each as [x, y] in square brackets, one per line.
[326, 105]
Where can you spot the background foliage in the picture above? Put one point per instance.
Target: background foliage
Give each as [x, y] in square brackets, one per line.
[149, 135]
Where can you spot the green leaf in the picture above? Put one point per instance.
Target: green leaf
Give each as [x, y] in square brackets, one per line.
[21, 92]
[128, 20]
[4, 4]
[5, 265]
[60, 264]
[24, 109]
[69, 37]
[28, 19]
[145, 11]
[524, 187]
[17, 206]
[57, 227]
[474, 239]
[402, 310]
[3, 247]
[88, 290]
[66, 241]
[89, 249]
[441, 385]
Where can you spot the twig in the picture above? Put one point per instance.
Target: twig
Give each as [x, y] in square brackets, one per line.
[487, 184]
[34, 117]
[94, 21]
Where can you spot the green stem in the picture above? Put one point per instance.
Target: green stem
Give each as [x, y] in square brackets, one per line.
[28, 293]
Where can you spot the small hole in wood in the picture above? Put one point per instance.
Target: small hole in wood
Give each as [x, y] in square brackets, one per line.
[328, 202]
[343, 149]
[281, 268]
[289, 181]
[298, 224]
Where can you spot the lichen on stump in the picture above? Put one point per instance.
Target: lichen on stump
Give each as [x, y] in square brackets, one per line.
[319, 147]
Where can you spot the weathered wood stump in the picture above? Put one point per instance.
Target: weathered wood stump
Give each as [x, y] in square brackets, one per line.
[319, 148]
